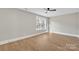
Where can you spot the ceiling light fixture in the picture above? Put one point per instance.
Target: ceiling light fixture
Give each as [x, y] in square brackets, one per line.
[47, 10]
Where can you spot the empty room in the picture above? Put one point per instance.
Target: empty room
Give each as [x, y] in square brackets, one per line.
[39, 29]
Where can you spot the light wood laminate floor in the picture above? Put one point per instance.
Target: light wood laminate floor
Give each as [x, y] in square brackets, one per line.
[44, 42]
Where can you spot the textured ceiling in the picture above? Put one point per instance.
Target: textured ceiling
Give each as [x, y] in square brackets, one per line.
[59, 11]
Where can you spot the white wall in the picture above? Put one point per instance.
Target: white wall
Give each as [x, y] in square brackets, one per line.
[16, 23]
[78, 23]
[68, 24]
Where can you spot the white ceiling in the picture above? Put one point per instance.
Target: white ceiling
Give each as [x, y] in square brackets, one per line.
[59, 11]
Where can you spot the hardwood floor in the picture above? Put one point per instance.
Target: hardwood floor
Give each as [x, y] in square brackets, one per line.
[44, 42]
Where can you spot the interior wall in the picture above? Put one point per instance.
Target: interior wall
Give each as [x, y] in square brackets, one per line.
[78, 23]
[16, 23]
[68, 24]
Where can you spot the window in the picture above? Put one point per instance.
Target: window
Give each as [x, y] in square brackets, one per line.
[41, 23]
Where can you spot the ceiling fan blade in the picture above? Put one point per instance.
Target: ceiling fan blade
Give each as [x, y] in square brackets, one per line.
[53, 10]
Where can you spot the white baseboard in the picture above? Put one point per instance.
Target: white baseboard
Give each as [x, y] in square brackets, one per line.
[67, 34]
[19, 38]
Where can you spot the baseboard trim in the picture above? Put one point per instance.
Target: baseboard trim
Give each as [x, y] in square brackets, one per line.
[66, 34]
[19, 38]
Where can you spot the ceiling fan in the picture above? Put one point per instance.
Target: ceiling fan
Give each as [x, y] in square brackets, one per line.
[49, 10]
